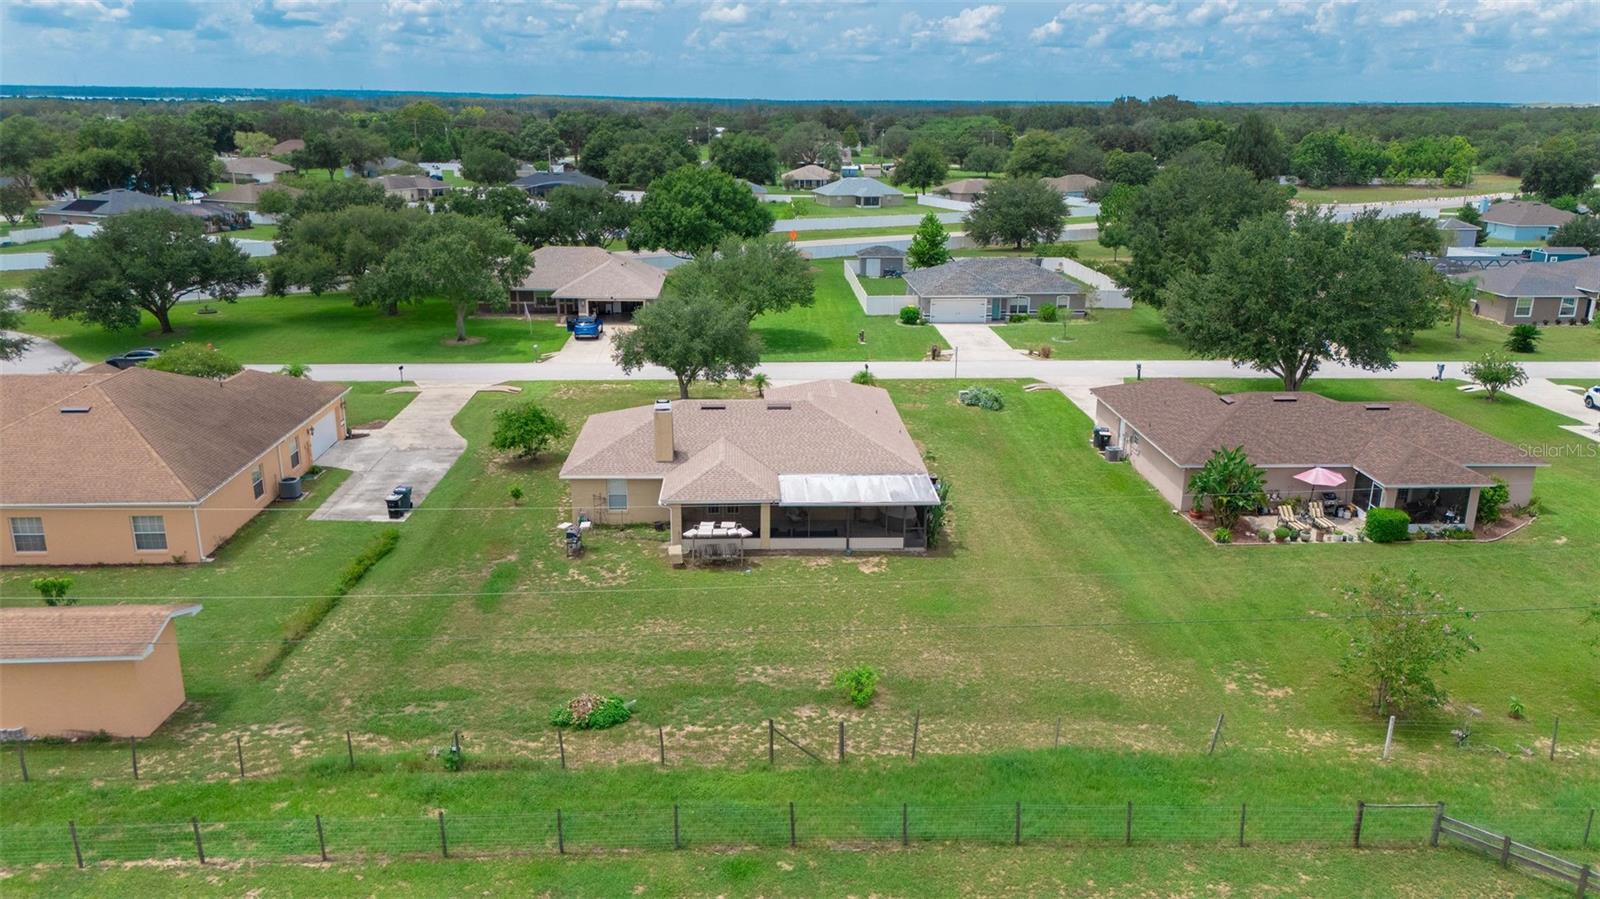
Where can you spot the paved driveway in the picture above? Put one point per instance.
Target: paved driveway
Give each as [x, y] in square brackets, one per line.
[416, 447]
[590, 352]
[41, 357]
[978, 343]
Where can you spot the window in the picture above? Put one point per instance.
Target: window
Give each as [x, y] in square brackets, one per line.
[149, 533]
[27, 535]
[1019, 306]
[1569, 308]
[617, 494]
[1524, 308]
[256, 486]
[294, 453]
[869, 201]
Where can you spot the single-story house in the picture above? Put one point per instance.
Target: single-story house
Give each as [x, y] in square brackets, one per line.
[1557, 254]
[92, 208]
[587, 281]
[1457, 233]
[807, 177]
[73, 671]
[136, 466]
[825, 465]
[879, 260]
[1523, 220]
[411, 188]
[967, 190]
[248, 196]
[1398, 455]
[539, 184]
[376, 167]
[1538, 292]
[868, 192]
[285, 147]
[244, 169]
[876, 169]
[991, 290]
[1075, 186]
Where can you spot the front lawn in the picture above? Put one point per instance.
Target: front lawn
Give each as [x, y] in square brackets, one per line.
[829, 329]
[808, 207]
[1480, 335]
[38, 246]
[311, 329]
[1484, 183]
[1137, 333]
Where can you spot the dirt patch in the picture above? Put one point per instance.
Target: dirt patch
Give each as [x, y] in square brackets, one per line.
[873, 565]
[373, 425]
[470, 341]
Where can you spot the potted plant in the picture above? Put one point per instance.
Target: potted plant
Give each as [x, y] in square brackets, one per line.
[1281, 533]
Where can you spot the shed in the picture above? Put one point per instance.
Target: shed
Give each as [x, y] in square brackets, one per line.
[880, 260]
[1458, 233]
[81, 670]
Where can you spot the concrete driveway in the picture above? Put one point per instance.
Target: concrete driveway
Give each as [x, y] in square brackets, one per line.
[40, 358]
[416, 447]
[978, 343]
[590, 352]
[1562, 400]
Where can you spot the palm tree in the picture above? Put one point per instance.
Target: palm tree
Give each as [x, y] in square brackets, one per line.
[1458, 299]
[760, 381]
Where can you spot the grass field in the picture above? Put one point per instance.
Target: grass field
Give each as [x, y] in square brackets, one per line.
[829, 328]
[884, 287]
[367, 401]
[38, 246]
[1484, 183]
[807, 207]
[329, 328]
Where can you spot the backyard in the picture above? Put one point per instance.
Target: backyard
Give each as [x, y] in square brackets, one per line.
[1484, 183]
[828, 330]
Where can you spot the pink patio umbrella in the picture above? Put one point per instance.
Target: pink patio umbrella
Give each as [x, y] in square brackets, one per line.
[1320, 477]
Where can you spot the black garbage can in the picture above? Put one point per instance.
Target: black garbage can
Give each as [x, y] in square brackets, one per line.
[399, 501]
[1102, 438]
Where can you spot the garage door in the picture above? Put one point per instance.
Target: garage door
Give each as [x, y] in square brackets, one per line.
[324, 434]
[958, 309]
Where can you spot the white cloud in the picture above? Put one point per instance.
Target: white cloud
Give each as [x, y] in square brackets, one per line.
[639, 5]
[974, 25]
[723, 14]
[1047, 32]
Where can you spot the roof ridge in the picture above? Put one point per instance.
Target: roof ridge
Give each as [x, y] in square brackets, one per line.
[855, 430]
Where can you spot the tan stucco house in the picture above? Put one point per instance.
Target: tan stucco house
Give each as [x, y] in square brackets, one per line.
[410, 188]
[826, 465]
[976, 289]
[1538, 293]
[587, 281]
[136, 466]
[84, 670]
[807, 177]
[868, 193]
[1391, 454]
[966, 190]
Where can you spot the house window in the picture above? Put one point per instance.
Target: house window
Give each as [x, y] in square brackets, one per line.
[1524, 308]
[1019, 306]
[294, 453]
[617, 494]
[149, 533]
[27, 535]
[256, 485]
[1569, 308]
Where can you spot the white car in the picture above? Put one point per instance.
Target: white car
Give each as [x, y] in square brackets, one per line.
[1592, 398]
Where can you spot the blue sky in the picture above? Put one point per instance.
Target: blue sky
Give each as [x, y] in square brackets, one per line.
[1246, 50]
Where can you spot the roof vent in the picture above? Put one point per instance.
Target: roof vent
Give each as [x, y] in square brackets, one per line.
[1281, 398]
[74, 410]
[779, 406]
[1377, 407]
[1226, 400]
[713, 406]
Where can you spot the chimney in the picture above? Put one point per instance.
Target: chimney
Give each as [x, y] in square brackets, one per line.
[663, 419]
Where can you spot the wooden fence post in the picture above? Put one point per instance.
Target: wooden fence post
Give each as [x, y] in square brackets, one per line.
[444, 844]
[771, 756]
[1505, 851]
[1361, 808]
[1127, 827]
[1242, 807]
[133, 753]
[792, 840]
[561, 746]
[1555, 731]
[199, 847]
[1388, 738]
[1587, 828]
[238, 744]
[322, 840]
[1438, 822]
[350, 750]
[916, 725]
[1016, 837]
[1214, 735]
[77, 850]
[22, 760]
[676, 843]
[841, 741]
[1583, 880]
[1058, 733]
[561, 836]
[905, 824]
[661, 738]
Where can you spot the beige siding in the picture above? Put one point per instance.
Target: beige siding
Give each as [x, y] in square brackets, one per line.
[1519, 480]
[644, 501]
[1163, 474]
[124, 699]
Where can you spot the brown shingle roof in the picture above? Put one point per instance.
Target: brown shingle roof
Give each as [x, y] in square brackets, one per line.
[84, 633]
[822, 427]
[811, 172]
[1524, 212]
[156, 437]
[589, 273]
[254, 165]
[1073, 183]
[964, 186]
[1397, 444]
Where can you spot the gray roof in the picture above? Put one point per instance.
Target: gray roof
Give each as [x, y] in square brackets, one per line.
[1523, 212]
[253, 165]
[755, 188]
[592, 273]
[408, 182]
[860, 186]
[1073, 183]
[118, 201]
[1540, 279]
[882, 251]
[976, 277]
[548, 180]
[1446, 223]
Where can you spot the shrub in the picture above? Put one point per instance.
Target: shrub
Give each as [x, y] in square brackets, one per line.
[1281, 533]
[1388, 525]
[1060, 250]
[1047, 312]
[302, 623]
[936, 514]
[983, 397]
[1524, 339]
[195, 360]
[1046, 351]
[1494, 373]
[452, 756]
[526, 429]
[1491, 499]
[864, 376]
[1017, 318]
[296, 370]
[1517, 710]
[1264, 535]
[858, 684]
[54, 590]
[515, 493]
[910, 315]
[1222, 535]
[592, 712]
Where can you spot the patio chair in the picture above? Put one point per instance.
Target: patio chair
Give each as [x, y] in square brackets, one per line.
[1288, 519]
[1320, 522]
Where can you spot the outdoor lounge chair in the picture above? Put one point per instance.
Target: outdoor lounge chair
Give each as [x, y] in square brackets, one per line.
[1321, 523]
[1288, 519]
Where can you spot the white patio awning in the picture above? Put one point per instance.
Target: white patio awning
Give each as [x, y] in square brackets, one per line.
[856, 490]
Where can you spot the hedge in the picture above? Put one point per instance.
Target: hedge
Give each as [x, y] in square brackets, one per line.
[1388, 525]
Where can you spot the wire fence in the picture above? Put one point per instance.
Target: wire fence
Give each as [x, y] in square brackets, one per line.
[689, 826]
[205, 754]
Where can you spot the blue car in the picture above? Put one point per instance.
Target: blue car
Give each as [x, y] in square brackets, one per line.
[585, 327]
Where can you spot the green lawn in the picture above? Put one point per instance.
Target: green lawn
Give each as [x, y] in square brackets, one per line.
[1484, 183]
[885, 287]
[1480, 335]
[828, 330]
[15, 280]
[38, 246]
[255, 232]
[370, 401]
[806, 207]
[330, 328]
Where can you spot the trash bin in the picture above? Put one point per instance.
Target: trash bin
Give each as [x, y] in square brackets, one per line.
[1102, 438]
[399, 501]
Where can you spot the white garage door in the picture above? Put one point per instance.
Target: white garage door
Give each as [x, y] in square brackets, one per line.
[324, 434]
[958, 309]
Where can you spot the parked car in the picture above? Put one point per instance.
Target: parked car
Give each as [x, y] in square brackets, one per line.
[585, 327]
[133, 357]
[1592, 398]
